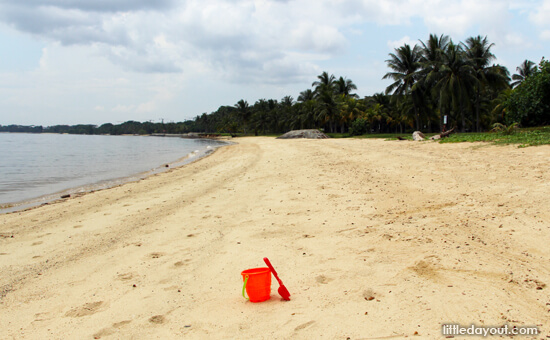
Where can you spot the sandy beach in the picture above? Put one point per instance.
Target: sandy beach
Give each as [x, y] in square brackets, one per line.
[374, 240]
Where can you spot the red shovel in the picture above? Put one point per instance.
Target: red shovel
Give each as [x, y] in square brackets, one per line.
[282, 289]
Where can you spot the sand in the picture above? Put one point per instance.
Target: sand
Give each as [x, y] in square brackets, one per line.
[374, 239]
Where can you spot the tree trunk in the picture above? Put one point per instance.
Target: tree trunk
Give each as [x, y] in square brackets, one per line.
[478, 94]
[463, 117]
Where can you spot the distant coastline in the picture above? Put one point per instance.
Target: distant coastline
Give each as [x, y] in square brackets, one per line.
[127, 128]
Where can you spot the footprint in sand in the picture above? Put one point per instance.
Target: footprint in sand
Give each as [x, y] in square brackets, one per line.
[42, 316]
[155, 255]
[157, 319]
[322, 279]
[37, 243]
[428, 268]
[87, 309]
[304, 325]
[182, 263]
[111, 330]
[125, 276]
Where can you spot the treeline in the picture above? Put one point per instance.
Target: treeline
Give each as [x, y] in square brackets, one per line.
[129, 127]
[439, 78]
[436, 84]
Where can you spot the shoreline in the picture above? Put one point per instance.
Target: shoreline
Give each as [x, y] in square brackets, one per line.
[31, 203]
[373, 239]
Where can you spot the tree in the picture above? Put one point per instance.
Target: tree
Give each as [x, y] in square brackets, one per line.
[455, 81]
[324, 83]
[243, 112]
[350, 110]
[431, 61]
[306, 114]
[327, 108]
[261, 118]
[344, 87]
[325, 96]
[432, 51]
[529, 102]
[305, 96]
[478, 52]
[405, 63]
[287, 118]
[524, 70]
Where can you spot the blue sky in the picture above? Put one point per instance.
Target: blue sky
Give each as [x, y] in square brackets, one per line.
[99, 61]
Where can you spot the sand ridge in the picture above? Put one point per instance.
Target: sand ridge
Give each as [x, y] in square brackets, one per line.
[373, 239]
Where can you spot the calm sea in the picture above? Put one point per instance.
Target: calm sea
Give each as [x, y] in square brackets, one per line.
[36, 168]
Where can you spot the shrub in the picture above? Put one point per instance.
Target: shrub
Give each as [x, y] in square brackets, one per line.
[358, 127]
[529, 103]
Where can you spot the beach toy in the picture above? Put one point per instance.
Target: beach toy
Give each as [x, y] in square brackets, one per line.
[282, 289]
[257, 283]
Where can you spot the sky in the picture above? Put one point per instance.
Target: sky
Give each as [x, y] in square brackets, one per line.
[109, 61]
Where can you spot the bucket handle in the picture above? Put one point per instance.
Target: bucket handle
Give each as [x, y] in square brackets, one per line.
[244, 286]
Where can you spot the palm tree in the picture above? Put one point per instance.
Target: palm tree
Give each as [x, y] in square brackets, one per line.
[405, 63]
[455, 80]
[327, 108]
[432, 51]
[243, 112]
[305, 96]
[305, 114]
[325, 96]
[261, 117]
[500, 106]
[324, 83]
[524, 70]
[305, 109]
[350, 110]
[478, 51]
[287, 117]
[345, 87]
[431, 61]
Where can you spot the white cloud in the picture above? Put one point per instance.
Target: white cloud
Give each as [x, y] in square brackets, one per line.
[541, 14]
[513, 40]
[138, 57]
[398, 43]
[458, 17]
[545, 35]
[123, 108]
[234, 37]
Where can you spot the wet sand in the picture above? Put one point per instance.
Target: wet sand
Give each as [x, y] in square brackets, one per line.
[374, 239]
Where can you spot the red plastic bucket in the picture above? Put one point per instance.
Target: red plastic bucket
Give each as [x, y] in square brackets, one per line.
[257, 283]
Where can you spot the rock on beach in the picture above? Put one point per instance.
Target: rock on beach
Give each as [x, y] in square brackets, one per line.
[310, 134]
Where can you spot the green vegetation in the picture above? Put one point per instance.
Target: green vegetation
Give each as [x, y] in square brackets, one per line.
[506, 135]
[129, 127]
[437, 84]
[529, 103]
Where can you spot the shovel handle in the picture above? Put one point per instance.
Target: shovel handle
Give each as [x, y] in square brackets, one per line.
[266, 260]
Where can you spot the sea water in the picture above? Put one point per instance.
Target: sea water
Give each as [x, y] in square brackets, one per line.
[36, 168]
